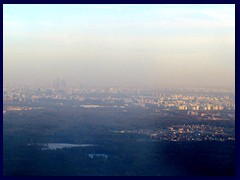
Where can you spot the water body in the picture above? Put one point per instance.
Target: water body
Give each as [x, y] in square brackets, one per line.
[54, 146]
[105, 156]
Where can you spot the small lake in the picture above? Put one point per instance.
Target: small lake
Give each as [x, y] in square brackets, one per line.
[54, 146]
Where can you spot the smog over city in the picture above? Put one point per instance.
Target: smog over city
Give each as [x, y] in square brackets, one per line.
[118, 90]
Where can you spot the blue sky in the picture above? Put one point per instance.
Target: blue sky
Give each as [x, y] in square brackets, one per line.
[136, 44]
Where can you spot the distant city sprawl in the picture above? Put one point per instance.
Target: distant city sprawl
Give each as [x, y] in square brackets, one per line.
[205, 104]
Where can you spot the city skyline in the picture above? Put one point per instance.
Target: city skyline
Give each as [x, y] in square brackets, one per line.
[141, 45]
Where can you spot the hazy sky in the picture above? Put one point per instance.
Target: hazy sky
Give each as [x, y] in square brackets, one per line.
[120, 44]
